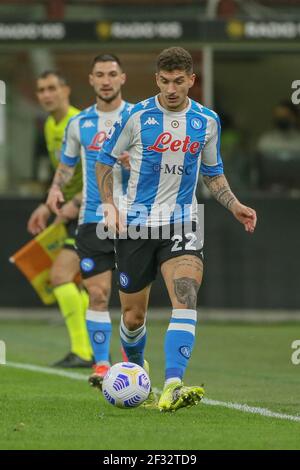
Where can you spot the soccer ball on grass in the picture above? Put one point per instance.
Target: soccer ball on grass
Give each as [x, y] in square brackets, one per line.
[126, 385]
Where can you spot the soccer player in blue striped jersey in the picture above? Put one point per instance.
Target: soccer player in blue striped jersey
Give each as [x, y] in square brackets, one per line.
[170, 139]
[84, 137]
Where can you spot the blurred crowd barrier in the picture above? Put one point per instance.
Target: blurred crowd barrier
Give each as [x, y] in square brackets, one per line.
[240, 270]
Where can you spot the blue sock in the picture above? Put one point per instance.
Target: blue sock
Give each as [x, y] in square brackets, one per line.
[179, 342]
[133, 343]
[99, 329]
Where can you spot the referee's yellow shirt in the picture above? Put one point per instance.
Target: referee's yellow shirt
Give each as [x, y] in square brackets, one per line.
[54, 134]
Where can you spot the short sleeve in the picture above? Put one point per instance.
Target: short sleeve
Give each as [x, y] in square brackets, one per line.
[211, 162]
[70, 153]
[118, 140]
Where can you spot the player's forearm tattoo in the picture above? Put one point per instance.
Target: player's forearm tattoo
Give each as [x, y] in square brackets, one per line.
[63, 175]
[105, 182]
[220, 189]
[186, 290]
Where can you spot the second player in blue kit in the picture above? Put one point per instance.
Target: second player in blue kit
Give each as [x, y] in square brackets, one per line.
[84, 137]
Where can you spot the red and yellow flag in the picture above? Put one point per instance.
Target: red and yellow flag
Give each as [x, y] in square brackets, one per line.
[36, 257]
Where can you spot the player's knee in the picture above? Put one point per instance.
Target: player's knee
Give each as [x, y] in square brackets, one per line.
[133, 318]
[99, 297]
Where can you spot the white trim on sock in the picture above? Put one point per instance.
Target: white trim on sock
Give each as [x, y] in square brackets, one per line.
[132, 336]
[97, 316]
[182, 327]
[184, 314]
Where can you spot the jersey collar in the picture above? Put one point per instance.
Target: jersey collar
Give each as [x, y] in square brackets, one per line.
[173, 113]
[106, 113]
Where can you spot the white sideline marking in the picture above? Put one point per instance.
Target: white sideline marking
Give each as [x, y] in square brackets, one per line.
[206, 401]
[251, 409]
[48, 370]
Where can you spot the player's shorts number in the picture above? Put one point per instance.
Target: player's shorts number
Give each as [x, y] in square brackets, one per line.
[178, 242]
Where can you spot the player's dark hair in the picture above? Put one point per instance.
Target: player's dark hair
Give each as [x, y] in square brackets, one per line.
[106, 58]
[175, 58]
[62, 79]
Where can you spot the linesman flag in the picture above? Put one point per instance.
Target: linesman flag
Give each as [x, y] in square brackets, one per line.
[35, 259]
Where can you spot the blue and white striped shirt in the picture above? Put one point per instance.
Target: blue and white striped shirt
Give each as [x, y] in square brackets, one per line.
[84, 137]
[167, 151]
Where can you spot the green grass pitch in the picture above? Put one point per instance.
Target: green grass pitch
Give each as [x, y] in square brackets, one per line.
[246, 364]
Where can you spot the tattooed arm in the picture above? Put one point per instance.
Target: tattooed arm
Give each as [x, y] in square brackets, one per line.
[63, 176]
[105, 181]
[220, 189]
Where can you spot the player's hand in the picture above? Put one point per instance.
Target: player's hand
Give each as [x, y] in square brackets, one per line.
[69, 211]
[124, 159]
[245, 215]
[38, 219]
[113, 219]
[55, 199]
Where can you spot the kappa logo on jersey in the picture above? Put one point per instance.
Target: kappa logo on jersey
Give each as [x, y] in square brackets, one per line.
[145, 103]
[130, 108]
[88, 124]
[166, 142]
[151, 121]
[98, 141]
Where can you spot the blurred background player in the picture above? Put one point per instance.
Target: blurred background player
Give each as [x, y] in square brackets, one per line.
[284, 138]
[278, 150]
[85, 135]
[163, 131]
[53, 94]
